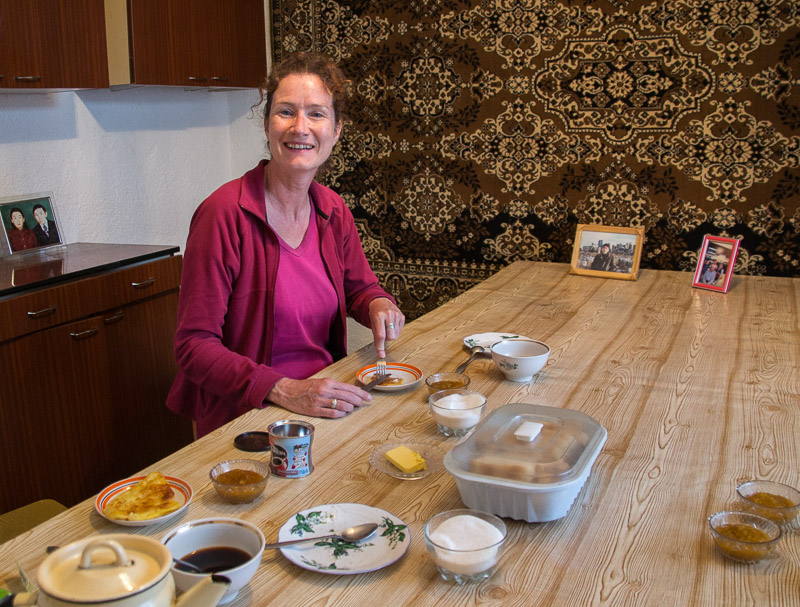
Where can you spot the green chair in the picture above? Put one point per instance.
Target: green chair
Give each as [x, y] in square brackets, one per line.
[27, 517]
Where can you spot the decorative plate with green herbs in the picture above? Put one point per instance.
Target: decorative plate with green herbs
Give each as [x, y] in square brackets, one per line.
[340, 557]
[487, 339]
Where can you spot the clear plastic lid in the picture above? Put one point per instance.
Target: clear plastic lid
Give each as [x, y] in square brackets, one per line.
[567, 441]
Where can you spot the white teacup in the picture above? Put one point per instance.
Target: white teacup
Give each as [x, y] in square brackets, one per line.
[210, 533]
[520, 359]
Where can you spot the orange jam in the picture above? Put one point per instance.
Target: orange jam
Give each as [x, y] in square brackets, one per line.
[757, 544]
[762, 498]
[743, 533]
[238, 476]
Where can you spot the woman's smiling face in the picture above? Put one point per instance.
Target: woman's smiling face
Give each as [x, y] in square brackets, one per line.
[302, 126]
[17, 219]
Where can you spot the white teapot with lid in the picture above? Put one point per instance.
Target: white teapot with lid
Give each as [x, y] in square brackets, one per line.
[119, 570]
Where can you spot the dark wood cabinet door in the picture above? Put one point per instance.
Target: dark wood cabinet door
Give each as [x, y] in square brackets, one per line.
[203, 43]
[140, 339]
[153, 43]
[248, 52]
[54, 426]
[53, 44]
[83, 403]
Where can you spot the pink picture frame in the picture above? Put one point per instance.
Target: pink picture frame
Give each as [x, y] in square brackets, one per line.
[715, 263]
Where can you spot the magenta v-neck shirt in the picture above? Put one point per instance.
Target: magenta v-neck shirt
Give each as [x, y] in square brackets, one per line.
[306, 304]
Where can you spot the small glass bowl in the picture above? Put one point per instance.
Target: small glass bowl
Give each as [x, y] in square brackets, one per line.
[464, 565]
[752, 495]
[240, 492]
[446, 381]
[456, 421]
[742, 550]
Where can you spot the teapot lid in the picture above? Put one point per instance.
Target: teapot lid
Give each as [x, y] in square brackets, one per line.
[104, 568]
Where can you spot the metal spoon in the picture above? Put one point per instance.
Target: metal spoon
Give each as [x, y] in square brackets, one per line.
[475, 351]
[351, 534]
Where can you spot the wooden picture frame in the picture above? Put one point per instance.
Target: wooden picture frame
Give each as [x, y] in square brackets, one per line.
[607, 251]
[715, 263]
[30, 223]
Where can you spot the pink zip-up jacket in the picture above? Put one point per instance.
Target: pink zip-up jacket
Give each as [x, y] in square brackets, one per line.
[226, 318]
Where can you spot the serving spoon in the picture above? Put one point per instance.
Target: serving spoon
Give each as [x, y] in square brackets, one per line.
[351, 534]
[474, 352]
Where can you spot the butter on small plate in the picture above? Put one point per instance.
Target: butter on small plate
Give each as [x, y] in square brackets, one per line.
[433, 460]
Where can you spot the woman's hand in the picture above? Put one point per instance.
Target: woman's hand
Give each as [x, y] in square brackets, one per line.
[323, 397]
[386, 321]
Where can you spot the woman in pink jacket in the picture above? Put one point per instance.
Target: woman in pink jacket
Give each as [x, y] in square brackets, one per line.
[273, 265]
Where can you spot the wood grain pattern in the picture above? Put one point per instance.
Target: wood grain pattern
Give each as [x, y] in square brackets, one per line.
[198, 43]
[698, 390]
[53, 44]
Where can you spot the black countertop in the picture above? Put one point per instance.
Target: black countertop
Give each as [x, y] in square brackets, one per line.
[36, 269]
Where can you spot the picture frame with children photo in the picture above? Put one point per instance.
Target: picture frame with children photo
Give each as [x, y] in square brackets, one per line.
[715, 263]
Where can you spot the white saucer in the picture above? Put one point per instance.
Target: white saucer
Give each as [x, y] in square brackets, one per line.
[387, 545]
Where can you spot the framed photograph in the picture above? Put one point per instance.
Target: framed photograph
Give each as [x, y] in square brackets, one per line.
[607, 251]
[29, 223]
[715, 263]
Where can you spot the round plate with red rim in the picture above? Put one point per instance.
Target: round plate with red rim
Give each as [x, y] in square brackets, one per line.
[409, 374]
[181, 489]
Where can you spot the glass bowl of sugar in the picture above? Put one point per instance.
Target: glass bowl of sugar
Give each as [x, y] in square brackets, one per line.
[466, 545]
[456, 411]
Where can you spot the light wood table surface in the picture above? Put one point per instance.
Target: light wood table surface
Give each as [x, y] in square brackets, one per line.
[698, 390]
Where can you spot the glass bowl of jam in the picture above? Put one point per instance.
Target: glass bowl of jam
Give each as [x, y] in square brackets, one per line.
[446, 381]
[778, 502]
[743, 536]
[240, 481]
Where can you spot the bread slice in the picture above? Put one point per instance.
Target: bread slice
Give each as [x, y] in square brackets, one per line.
[150, 498]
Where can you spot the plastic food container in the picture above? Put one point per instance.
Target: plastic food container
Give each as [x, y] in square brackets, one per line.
[532, 480]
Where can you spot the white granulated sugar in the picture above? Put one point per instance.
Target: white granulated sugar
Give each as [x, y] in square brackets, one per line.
[458, 410]
[460, 401]
[463, 533]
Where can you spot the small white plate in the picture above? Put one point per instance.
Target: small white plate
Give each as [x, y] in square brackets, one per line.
[410, 375]
[387, 545]
[433, 460]
[487, 339]
[183, 495]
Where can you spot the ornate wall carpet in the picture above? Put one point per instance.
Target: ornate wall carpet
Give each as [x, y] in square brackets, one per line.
[484, 132]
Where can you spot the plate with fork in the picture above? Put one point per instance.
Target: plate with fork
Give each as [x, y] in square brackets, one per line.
[403, 376]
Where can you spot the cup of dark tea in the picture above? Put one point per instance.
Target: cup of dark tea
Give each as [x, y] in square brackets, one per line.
[226, 546]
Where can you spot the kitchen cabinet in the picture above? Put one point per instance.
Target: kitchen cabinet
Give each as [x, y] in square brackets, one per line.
[53, 44]
[202, 43]
[74, 44]
[86, 353]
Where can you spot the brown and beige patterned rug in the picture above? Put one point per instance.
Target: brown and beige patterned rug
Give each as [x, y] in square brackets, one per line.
[483, 132]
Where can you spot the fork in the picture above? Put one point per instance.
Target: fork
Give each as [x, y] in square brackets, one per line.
[380, 367]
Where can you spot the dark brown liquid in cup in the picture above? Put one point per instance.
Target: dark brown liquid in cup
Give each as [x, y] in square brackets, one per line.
[216, 558]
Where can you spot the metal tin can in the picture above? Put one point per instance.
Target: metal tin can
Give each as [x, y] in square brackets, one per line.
[290, 441]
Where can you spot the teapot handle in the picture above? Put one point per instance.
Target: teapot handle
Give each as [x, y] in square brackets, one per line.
[116, 547]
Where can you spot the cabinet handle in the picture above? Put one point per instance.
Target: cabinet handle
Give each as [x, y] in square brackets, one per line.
[83, 334]
[220, 78]
[114, 319]
[198, 78]
[27, 78]
[42, 312]
[144, 284]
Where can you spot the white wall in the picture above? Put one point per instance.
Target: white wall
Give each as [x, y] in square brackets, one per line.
[126, 166]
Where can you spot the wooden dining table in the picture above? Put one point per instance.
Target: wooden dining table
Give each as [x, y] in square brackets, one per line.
[698, 390]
